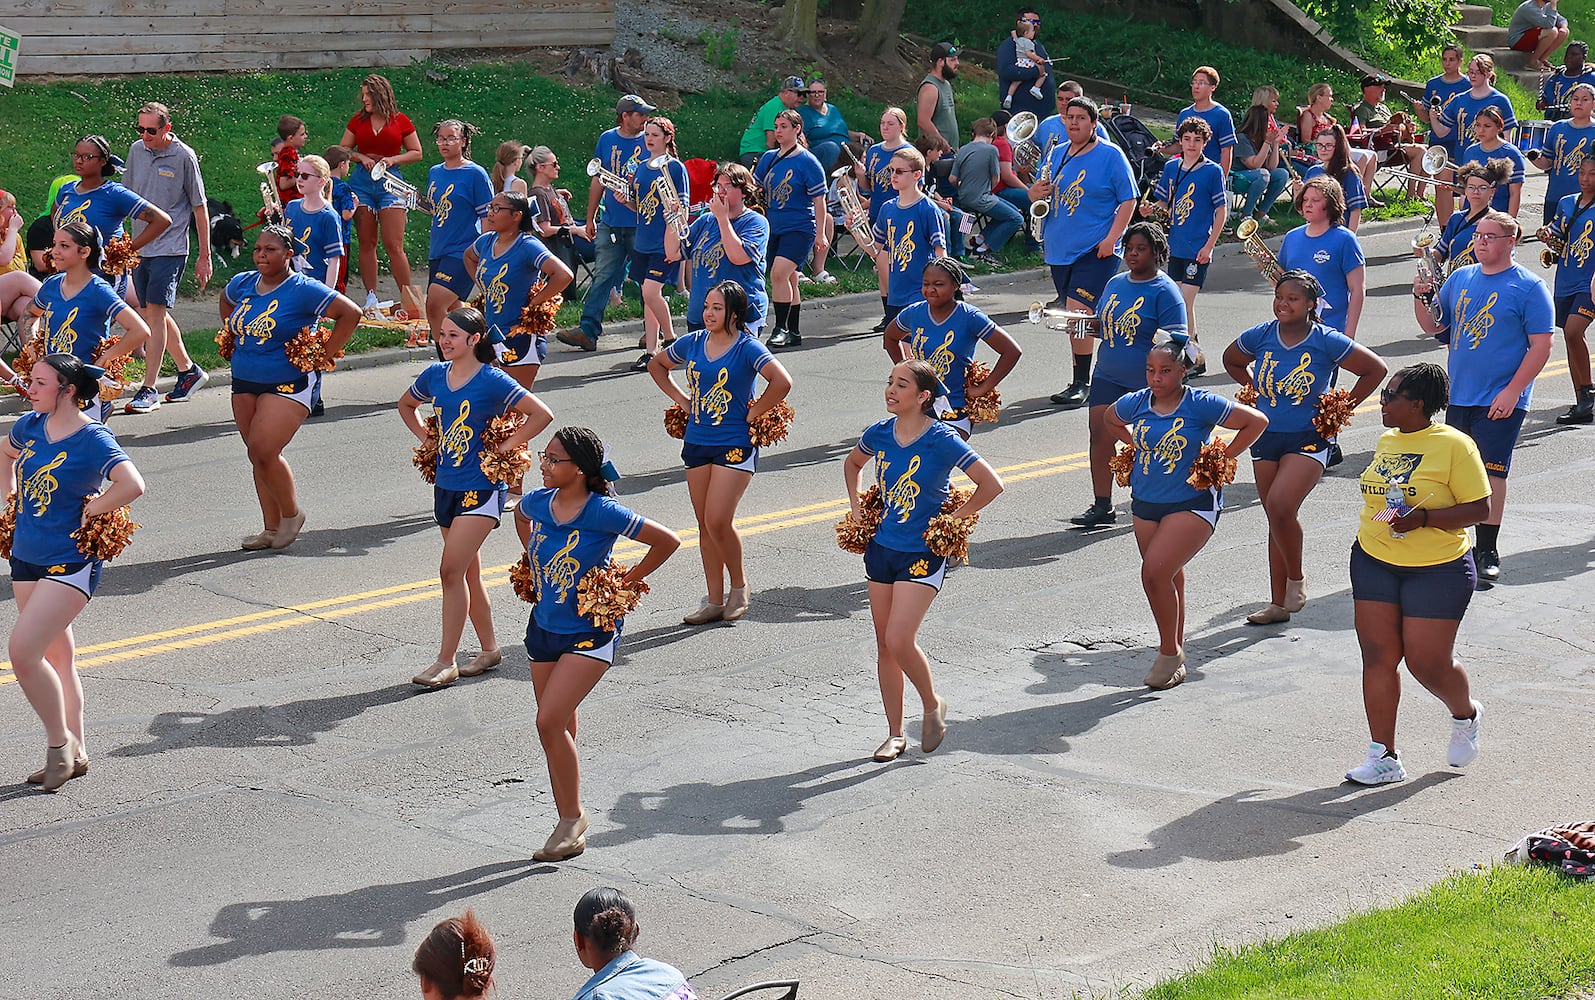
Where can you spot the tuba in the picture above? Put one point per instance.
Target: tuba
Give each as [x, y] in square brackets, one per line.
[268, 192]
[617, 185]
[1554, 246]
[669, 198]
[401, 189]
[854, 217]
[1020, 129]
[1259, 251]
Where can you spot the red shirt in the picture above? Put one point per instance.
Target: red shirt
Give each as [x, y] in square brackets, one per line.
[388, 142]
[1004, 155]
[287, 165]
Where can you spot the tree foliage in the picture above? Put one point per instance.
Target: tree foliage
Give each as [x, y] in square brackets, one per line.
[1415, 27]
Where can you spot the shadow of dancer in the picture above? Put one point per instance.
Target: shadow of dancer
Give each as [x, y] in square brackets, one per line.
[295, 724]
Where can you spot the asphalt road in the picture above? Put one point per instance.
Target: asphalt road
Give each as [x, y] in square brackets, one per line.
[273, 810]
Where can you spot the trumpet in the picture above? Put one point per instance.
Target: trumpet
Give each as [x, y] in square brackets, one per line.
[400, 188]
[268, 191]
[618, 186]
[1554, 246]
[1077, 324]
[1259, 251]
[669, 198]
[853, 215]
[1025, 151]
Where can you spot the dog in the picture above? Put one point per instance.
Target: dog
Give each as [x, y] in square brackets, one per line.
[226, 232]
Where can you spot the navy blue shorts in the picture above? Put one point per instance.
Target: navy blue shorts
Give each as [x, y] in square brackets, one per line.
[449, 504]
[450, 272]
[1574, 305]
[1106, 392]
[884, 565]
[543, 646]
[523, 349]
[1187, 271]
[736, 456]
[84, 577]
[155, 280]
[654, 267]
[299, 390]
[1207, 505]
[1274, 445]
[795, 246]
[1084, 277]
[1441, 591]
[1495, 438]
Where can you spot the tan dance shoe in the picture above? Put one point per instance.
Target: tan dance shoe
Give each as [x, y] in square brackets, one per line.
[1166, 672]
[288, 529]
[892, 749]
[59, 763]
[482, 662]
[705, 614]
[737, 603]
[80, 767]
[254, 543]
[1271, 614]
[438, 676]
[934, 726]
[1295, 595]
[568, 840]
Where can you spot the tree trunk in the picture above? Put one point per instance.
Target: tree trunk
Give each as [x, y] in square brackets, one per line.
[800, 26]
[877, 29]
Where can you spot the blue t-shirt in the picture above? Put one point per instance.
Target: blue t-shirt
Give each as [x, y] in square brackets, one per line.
[343, 200]
[320, 236]
[1576, 265]
[878, 166]
[1350, 185]
[1220, 121]
[1486, 321]
[53, 480]
[908, 236]
[1558, 85]
[710, 265]
[561, 553]
[1448, 93]
[262, 323]
[1166, 445]
[105, 208]
[720, 390]
[949, 346]
[914, 479]
[1567, 145]
[1459, 114]
[1456, 239]
[651, 223]
[1330, 258]
[463, 414]
[1506, 151]
[1289, 380]
[826, 126]
[1194, 197]
[1087, 191]
[1130, 312]
[790, 182]
[507, 279]
[621, 155]
[459, 196]
[78, 325]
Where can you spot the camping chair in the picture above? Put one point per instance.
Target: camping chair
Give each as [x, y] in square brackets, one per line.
[789, 985]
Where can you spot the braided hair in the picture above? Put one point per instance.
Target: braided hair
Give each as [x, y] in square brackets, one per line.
[586, 449]
[113, 163]
[1310, 285]
[285, 234]
[954, 270]
[467, 130]
[1154, 235]
[1426, 384]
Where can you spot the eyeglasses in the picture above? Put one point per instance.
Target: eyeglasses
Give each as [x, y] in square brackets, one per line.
[1491, 237]
[1478, 188]
[494, 206]
[149, 131]
[87, 156]
[1386, 395]
[544, 456]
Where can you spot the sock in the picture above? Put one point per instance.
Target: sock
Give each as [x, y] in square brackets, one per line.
[1082, 369]
[1488, 535]
[886, 310]
[1007, 102]
[792, 317]
[781, 311]
[1103, 503]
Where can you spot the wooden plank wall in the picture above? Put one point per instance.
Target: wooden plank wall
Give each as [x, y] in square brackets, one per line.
[140, 36]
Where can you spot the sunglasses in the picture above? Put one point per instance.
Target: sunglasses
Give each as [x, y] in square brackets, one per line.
[149, 131]
[308, 177]
[1386, 395]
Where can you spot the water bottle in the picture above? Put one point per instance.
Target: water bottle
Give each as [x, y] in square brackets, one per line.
[1395, 499]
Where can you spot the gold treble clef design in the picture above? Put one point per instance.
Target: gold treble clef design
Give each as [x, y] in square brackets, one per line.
[1298, 382]
[41, 485]
[904, 492]
[456, 441]
[717, 401]
[562, 567]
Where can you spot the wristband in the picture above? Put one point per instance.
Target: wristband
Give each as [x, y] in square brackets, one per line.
[1425, 517]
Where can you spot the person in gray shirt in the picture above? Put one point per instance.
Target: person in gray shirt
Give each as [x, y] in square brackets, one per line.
[976, 168]
[1538, 29]
[165, 172]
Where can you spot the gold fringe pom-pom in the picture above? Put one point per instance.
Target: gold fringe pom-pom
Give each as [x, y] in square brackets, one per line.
[1213, 467]
[980, 409]
[105, 535]
[956, 498]
[854, 534]
[538, 321]
[604, 597]
[523, 580]
[1122, 464]
[497, 466]
[773, 427]
[1334, 412]
[1247, 395]
[948, 536]
[676, 421]
[8, 525]
[307, 351]
[119, 256]
[115, 372]
[225, 342]
[426, 453]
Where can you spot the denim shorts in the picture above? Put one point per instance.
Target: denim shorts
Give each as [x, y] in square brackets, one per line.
[1441, 591]
[155, 280]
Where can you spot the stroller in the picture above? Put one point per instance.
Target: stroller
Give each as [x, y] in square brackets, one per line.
[1140, 147]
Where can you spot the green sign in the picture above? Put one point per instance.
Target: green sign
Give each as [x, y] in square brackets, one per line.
[10, 41]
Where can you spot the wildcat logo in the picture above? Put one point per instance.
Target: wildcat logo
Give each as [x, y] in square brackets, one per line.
[1394, 469]
[920, 568]
[735, 456]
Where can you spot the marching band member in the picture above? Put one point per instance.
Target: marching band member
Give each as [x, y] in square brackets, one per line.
[1479, 182]
[515, 272]
[652, 266]
[263, 310]
[722, 362]
[1291, 361]
[314, 222]
[915, 455]
[1135, 305]
[877, 179]
[1559, 86]
[945, 331]
[1567, 144]
[1496, 319]
[1220, 141]
[1438, 93]
[908, 233]
[459, 191]
[569, 527]
[103, 203]
[1574, 225]
[1167, 423]
[611, 223]
[466, 392]
[1488, 126]
[77, 307]
[1191, 190]
[380, 133]
[1327, 250]
[1091, 193]
[729, 242]
[57, 459]
[1456, 118]
[794, 189]
[1334, 161]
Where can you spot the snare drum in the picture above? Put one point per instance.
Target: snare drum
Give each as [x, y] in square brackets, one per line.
[1532, 134]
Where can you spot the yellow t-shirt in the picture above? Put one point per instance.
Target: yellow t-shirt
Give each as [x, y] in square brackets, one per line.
[1434, 468]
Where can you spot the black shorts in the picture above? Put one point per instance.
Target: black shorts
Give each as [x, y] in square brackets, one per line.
[299, 390]
[743, 457]
[543, 646]
[449, 504]
[1187, 271]
[83, 576]
[884, 565]
[1441, 591]
[1274, 445]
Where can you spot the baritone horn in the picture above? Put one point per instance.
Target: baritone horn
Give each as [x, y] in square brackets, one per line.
[1020, 129]
[1551, 252]
[853, 215]
[1435, 159]
[617, 185]
[271, 201]
[400, 188]
[1259, 251]
[669, 198]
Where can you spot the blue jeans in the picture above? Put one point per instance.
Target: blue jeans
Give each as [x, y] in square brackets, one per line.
[1019, 198]
[613, 246]
[1005, 220]
[953, 222]
[826, 152]
[1262, 187]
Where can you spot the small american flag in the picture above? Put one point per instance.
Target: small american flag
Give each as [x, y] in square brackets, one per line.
[1390, 514]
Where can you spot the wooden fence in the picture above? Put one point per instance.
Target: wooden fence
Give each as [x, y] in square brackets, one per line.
[165, 36]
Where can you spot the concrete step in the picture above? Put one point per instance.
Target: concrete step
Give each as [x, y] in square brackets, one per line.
[1480, 36]
[1528, 80]
[1472, 13]
[1510, 61]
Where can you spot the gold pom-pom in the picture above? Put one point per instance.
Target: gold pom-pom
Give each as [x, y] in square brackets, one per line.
[114, 372]
[426, 453]
[119, 256]
[225, 342]
[1247, 395]
[538, 321]
[956, 498]
[523, 580]
[8, 525]
[498, 466]
[854, 534]
[676, 421]
[948, 536]
[1122, 464]
[1334, 412]
[772, 428]
[980, 409]
[1213, 467]
[307, 351]
[35, 349]
[105, 535]
[604, 597]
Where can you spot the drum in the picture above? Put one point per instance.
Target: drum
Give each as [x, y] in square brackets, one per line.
[1531, 134]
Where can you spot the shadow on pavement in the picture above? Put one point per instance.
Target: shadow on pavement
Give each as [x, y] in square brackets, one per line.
[294, 724]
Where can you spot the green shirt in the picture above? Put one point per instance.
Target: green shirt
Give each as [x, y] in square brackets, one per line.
[753, 140]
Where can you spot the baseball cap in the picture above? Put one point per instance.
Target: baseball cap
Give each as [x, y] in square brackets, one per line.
[1373, 80]
[942, 50]
[793, 83]
[633, 103]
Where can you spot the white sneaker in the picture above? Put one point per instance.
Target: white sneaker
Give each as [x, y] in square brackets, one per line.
[804, 279]
[825, 278]
[1464, 739]
[371, 301]
[1036, 92]
[1378, 769]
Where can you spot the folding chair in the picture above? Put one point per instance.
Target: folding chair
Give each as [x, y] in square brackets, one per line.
[789, 985]
[10, 338]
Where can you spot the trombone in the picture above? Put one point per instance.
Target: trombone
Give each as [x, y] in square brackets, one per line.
[1434, 161]
[1258, 251]
[669, 198]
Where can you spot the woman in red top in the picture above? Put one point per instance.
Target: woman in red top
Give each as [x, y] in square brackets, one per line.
[379, 133]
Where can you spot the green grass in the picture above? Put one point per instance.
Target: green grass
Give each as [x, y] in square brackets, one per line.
[1506, 934]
